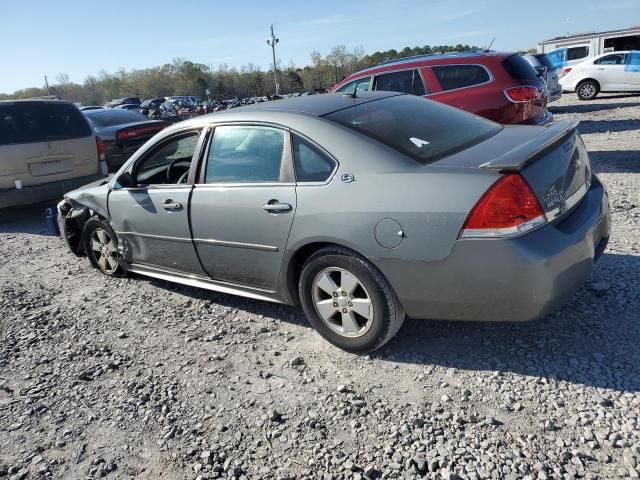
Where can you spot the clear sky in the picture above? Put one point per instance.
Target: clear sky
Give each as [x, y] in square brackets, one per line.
[82, 37]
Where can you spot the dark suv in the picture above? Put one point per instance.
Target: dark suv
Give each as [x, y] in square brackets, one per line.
[502, 87]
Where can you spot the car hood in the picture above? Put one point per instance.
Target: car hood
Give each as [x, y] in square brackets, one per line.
[93, 196]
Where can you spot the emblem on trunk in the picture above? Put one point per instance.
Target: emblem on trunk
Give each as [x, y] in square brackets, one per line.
[554, 198]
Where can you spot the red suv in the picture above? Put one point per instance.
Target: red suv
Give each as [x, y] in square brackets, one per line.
[502, 87]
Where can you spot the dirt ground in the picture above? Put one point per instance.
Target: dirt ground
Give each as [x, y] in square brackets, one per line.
[139, 378]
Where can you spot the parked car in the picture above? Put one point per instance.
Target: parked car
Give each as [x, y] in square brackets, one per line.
[46, 148]
[502, 87]
[152, 102]
[128, 106]
[360, 209]
[611, 72]
[120, 133]
[549, 72]
[122, 101]
[90, 107]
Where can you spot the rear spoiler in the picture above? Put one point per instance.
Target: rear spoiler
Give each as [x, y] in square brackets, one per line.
[521, 156]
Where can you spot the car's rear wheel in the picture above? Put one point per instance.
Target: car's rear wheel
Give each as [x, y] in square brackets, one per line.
[348, 301]
[588, 90]
[101, 246]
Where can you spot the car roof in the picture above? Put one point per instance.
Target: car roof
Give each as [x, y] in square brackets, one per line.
[310, 105]
[35, 100]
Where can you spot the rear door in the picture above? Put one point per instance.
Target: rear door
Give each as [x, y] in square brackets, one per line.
[243, 206]
[610, 72]
[42, 142]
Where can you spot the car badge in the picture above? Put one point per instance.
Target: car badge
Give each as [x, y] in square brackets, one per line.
[347, 178]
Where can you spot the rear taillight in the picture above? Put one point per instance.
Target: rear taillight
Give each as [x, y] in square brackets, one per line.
[508, 209]
[102, 149]
[134, 132]
[564, 71]
[525, 93]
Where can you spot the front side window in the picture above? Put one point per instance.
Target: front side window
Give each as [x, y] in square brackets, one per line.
[576, 53]
[615, 59]
[557, 57]
[168, 164]
[406, 81]
[360, 85]
[246, 154]
[460, 76]
[421, 129]
[312, 165]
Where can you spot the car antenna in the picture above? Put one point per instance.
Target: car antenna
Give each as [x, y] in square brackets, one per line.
[352, 95]
[489, 47]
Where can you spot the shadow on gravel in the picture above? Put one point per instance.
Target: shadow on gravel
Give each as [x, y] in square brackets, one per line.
[29, 219]
[588, 107]
[603, 126]
[593, 340]
[615, 161]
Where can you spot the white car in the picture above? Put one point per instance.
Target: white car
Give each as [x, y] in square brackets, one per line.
[610, 72]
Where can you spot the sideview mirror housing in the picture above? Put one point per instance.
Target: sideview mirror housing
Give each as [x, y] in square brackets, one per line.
[125, 180]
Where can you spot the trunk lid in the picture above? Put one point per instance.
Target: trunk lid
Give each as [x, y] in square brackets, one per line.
[552, 159]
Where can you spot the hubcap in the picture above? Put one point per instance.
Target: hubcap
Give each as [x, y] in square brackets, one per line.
[342, 302]
[587, 90]
[104, 250]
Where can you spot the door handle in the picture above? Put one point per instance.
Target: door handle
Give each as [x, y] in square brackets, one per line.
[172, 206]
[276, 207]
[601, 68]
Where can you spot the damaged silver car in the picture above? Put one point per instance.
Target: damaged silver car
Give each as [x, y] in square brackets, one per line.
[362, 208]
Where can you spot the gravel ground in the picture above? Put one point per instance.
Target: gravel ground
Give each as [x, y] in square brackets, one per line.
[140, 378]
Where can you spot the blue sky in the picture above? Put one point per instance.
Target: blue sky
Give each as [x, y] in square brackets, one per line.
[81, 37]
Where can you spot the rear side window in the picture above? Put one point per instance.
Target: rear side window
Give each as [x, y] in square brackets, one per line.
[423, 130]
[615, 59]
[312, 164]
[406, 81]
[576, 53]
[246, 154]
[519, 68]
[360, 85]
[460, 76]
[31, 122]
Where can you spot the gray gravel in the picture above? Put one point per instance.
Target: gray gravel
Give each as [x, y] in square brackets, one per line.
[141, 378]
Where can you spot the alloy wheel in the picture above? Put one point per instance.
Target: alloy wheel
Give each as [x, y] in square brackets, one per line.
[587, 90]
[104, 250]
[342, 302]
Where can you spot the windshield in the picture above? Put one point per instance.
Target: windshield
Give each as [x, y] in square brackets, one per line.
[107, 118]
[421, 129]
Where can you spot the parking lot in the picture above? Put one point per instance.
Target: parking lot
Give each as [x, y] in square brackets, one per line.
[141, 378]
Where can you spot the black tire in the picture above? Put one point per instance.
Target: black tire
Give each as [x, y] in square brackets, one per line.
[388, 314]
[106, 260]
[587, 90]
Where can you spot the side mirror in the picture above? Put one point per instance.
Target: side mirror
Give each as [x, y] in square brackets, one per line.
[542, 71]
[125, 180]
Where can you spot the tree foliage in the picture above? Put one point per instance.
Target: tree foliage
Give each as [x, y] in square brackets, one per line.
[183, 77]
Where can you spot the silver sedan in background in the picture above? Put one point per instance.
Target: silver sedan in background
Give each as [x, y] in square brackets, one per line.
[362, 209]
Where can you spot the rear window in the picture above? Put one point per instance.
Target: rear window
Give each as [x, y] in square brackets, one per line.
[546, 61]
[31, 122]
[519, 69]
[421, 129]
[107, 118]
[451, 77]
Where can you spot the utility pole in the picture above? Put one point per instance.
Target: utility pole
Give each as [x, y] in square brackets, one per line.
[46, 82]
[272, 43]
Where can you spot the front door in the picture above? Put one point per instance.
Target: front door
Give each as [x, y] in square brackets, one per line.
[242, 207]
[151, 219]
[610, 72]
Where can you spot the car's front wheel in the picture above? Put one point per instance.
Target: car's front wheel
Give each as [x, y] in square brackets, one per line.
[348, 300]
[101, 246]
[587, 90]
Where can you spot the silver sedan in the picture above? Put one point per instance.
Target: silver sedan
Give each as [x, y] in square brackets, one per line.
[363, 209]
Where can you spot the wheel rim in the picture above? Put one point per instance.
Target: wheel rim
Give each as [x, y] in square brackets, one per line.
[587, 90]
[342, 302]
[104, 250]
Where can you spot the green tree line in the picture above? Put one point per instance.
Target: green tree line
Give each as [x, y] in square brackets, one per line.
[183, 77]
